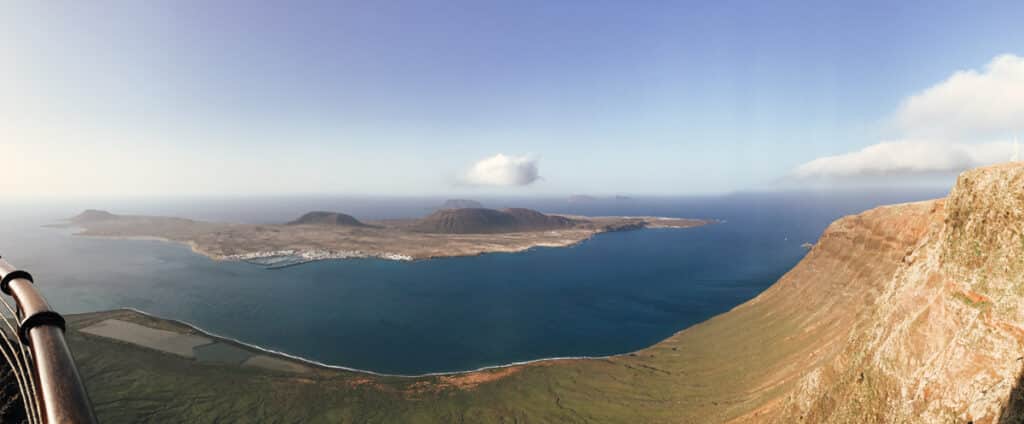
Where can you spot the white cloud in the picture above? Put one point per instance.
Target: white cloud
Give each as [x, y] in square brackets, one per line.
[906, 157]
[969, 104]
[960, 123]
[502, 170]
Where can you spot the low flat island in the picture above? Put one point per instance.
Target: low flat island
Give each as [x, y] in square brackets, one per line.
[331, 235]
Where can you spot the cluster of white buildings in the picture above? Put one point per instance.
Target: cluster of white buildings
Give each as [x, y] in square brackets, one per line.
[294, 257]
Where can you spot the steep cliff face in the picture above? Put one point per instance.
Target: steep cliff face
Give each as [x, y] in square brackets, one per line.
[933, 295]
[787, 355]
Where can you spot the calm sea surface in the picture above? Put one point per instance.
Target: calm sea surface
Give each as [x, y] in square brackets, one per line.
[615, 293]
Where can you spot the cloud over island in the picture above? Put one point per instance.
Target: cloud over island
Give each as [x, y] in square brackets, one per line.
[968, 120]
[503, 171]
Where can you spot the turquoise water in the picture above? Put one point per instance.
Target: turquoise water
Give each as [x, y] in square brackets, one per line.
[615, 293]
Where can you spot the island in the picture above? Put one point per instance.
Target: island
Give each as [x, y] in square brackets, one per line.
[320, 235]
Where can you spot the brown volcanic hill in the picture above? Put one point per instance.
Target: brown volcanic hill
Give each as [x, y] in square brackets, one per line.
[327, 218]
[529, 218]
[93, 215]
[481, 220]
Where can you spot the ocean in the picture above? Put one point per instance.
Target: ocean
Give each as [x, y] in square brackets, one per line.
[615, 293]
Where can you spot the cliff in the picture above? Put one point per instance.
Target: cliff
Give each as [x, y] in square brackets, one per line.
[924, 310]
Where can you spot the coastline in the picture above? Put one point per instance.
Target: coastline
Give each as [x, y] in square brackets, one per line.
[315, 363]
[310, 256]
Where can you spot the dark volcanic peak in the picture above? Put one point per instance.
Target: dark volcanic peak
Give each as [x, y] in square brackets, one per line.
[327, 218]
[461, 204]
[481, 220]
[93, 215]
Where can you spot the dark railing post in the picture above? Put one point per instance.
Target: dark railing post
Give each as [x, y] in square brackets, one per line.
[59, 388]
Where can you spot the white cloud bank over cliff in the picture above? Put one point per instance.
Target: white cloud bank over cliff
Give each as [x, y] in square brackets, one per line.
[968, 120]
[906, 157]
[502, 170]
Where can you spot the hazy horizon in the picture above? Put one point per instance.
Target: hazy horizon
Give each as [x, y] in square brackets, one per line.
[268, 209]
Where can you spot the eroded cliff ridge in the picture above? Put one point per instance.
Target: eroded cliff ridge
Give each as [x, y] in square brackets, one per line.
[928, 303]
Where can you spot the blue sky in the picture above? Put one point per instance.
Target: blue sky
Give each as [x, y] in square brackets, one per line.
[405, 97]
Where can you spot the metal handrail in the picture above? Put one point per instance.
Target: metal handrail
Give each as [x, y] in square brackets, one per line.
[57, 394]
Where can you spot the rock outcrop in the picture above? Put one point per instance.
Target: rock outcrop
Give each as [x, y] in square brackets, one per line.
[924, 304]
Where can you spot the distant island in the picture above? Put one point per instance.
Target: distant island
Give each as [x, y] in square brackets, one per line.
[585, 198]
[460, 204]
[322, 235]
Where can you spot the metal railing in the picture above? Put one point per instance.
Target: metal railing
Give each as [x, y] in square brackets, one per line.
[34, 346]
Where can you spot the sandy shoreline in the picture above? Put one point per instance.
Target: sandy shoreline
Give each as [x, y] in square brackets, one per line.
[318, 364]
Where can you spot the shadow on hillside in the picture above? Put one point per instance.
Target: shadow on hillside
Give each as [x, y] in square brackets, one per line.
[1014, 411]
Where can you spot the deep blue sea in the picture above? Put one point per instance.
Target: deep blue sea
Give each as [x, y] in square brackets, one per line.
[615, 293]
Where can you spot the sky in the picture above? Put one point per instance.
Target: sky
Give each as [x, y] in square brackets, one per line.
[502, 97]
